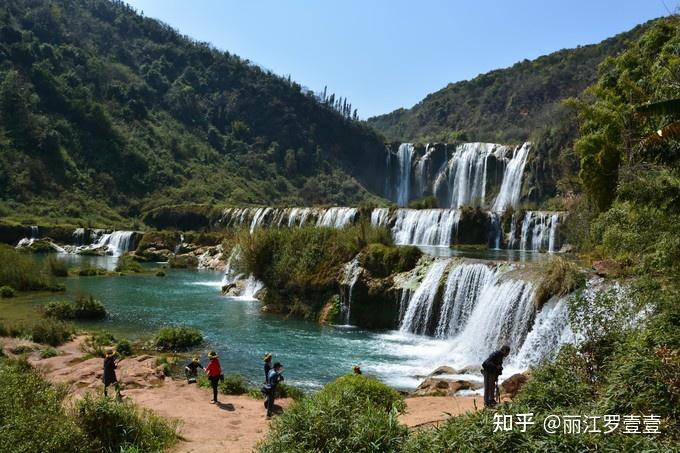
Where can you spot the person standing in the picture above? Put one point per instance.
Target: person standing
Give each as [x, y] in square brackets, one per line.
[491, 369]
[275, 376]
[267, 365]
[109, 376]
[356, 369]
[214, 371]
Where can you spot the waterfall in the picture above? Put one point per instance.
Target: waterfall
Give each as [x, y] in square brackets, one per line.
[462, 181]
[230, 272]
[425, 226]
[337, 217]
[298, 216]
[258, 218]
[379, 216]
[419, 310]
[404, 157]
[461, 292]
[117, 242]
[481, 308]
[351, 274]
[253, 286]
[511, 187]
[539, 231]
[421, 171]
[35, 232]
[502, 315]
[551, 330]
[495, 232]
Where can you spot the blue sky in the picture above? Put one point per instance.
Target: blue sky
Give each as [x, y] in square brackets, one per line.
[384, 54]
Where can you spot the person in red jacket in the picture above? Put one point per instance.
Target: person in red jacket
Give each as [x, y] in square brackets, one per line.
[214, 371]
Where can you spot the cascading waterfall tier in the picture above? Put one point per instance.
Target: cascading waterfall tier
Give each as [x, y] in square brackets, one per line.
[424, 226]
[539, 232]
[457, 176]
[117, 242]
[254, 218]
[350, 275]
[478, 307]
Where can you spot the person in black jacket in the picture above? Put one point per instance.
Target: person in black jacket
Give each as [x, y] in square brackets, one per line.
[109, 376]
[191, 370]
[491, 369]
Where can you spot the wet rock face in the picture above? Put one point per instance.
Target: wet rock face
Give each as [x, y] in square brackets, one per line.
[375, 303]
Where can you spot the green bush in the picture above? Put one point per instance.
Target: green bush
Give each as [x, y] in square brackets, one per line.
[59, 310]
[51, 332]
[233, 384]
[177, 338]
[7, 291]
[183, 262]
[424, 203]
[117, 426]
[56, 267]
[48, 353]
[86, 307]
[124, 348]
[353, 413]
[97, 343]
[382, 260]
[32, 415]
[284, 390]
[127, 264]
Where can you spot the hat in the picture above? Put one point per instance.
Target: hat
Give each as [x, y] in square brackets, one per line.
[212, 354]
[194, 358]
[278, 365]
[110, 352]
[356, 367]
[267, 356]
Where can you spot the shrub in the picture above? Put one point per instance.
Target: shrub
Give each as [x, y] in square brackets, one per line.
[177, 338]
[424, 203]
[284, 390]
[561, 277]
[86, 307]
[353, 413]
[382, 260]
[97, 343]
[124, 348]
[48, 353]
[51, 332]
[127, 264]
[59, 310]
[6, 291]
[117, 426]
[32, 414]
[233, 384]
[56, 267]
[183, 261]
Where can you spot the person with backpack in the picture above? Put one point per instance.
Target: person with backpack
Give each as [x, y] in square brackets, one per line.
[275, 376]
[491, 369]
[214, 372]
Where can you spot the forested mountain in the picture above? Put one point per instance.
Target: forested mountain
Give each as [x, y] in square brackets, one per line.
[106, 114]
[505, 105]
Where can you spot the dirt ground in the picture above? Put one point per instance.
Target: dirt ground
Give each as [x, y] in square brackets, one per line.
[235, 424]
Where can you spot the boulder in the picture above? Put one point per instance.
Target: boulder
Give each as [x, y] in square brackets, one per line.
[514, 383]
[434, 386]
[234, 289]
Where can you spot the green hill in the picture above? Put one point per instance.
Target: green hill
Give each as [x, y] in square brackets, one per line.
[505, 105]
[106, 114]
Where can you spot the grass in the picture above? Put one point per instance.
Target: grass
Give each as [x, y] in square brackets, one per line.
[97, 344]
[127, 264]
[56, 267]
[20, 272]
[560, 277]
[116, 426]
